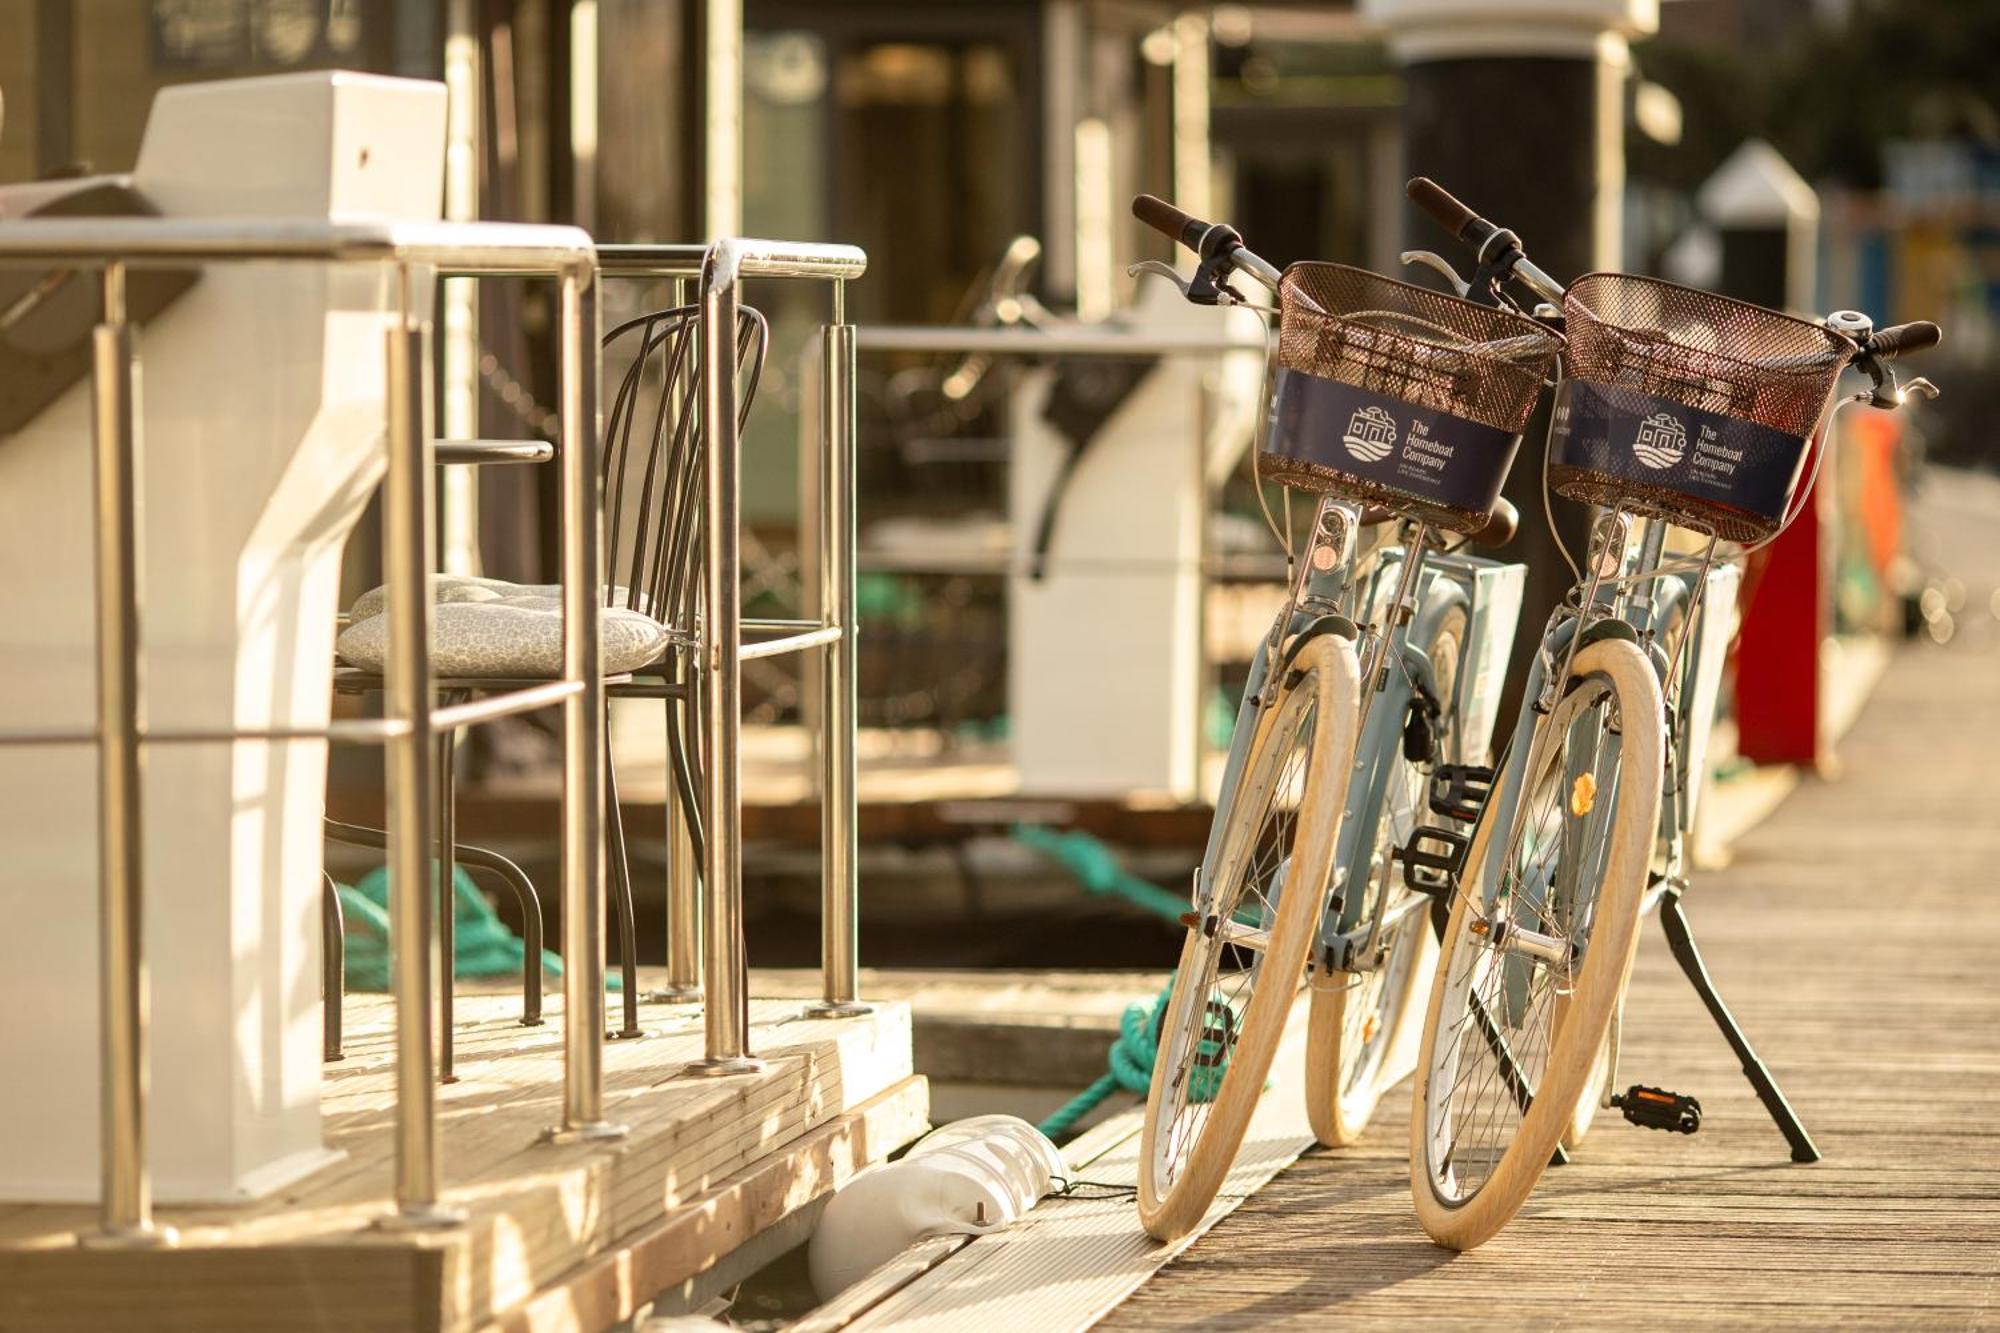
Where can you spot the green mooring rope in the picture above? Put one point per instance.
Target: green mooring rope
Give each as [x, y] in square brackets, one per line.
[1131, 1059]
[1096, 868]
[484, 947]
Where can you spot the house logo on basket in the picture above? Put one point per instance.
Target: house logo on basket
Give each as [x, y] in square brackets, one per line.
[1371, 434]
[1661, 441]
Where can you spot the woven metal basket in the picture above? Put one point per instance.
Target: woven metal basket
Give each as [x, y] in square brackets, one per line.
[1687, 405]
[1398, 396]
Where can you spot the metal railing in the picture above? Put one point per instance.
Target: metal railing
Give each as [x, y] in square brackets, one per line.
[717, 967]
[412, 720]
[112, 247]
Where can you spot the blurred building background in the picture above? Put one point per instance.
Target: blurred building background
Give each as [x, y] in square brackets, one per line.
[933, 133]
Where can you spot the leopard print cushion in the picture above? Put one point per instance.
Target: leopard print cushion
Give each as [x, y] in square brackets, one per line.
[517, 635]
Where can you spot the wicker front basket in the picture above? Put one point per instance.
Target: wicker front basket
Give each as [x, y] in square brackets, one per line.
[1432, 356]
[1705, 404]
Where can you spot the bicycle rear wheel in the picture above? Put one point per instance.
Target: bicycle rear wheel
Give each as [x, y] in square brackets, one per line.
[1526, 981]
[1358, 1042]
[1241, 967]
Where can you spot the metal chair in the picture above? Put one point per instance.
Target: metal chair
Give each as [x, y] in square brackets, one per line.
[653, 460]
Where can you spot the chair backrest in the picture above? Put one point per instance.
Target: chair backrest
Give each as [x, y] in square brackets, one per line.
[654, 450]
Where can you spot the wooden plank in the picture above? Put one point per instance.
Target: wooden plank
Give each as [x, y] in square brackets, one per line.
[536, 1210]
[612, 1284]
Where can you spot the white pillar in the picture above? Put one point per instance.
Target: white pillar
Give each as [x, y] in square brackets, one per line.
[261, 401]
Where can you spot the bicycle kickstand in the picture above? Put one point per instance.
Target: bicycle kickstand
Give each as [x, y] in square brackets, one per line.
[1681, 941]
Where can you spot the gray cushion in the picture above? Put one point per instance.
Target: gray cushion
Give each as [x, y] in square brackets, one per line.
[446, 588]
[517, 635]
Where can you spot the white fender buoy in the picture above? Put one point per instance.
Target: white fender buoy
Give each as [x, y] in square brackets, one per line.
[971, 1177]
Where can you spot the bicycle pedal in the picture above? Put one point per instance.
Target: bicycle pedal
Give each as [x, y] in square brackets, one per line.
[1460, 791]
[1656, 1108]
[1429, 871]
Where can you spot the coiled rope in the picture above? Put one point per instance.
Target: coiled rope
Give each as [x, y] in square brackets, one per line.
[1133, 1054]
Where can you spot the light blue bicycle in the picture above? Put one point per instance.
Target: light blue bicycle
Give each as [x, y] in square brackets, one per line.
[1356, 762]
[1678, 409]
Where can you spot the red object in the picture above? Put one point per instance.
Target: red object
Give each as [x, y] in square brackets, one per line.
[1785, 618]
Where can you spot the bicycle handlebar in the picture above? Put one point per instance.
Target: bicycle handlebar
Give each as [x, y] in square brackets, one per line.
[1491, 243]
[1900, 339]
[1445, 207]
[1209, 240]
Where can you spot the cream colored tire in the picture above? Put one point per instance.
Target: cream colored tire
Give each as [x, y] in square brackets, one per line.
[1338, 1107]
[1187, 1147]
[1615, 673]
[1347, 1071]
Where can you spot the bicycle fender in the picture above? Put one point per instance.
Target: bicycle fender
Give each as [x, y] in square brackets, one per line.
[1438, 602]
[1340, 626]
[1607, 628]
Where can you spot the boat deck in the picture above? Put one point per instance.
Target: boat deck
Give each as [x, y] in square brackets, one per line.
[557, 1237]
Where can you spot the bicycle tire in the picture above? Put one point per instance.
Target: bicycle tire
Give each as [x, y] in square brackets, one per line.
[1357, 1040]
[1612, 691]
[1183, 1156]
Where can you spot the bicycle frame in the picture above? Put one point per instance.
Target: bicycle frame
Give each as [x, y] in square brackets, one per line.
[1393, 604]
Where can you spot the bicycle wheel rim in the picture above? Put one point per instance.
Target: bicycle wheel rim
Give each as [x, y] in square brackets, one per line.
[1188, 1143]
[1501, 1017]
[1373, 1014]
[1374, 997]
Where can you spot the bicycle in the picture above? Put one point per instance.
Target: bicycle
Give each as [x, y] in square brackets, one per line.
[1677, 409]
[1376, 680]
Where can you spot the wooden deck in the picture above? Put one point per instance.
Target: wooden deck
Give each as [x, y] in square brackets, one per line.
[1857, 937]
[559, 1237]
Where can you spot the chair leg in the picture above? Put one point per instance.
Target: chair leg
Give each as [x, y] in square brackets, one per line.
[332, 968]
[447, 926]
[516, 879]
[530, 904]
[621, 898]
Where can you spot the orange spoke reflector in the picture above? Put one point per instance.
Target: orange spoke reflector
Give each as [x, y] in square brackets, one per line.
[1582, 794]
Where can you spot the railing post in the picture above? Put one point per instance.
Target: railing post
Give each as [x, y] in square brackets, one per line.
[839, 847]
[726, 1013]
[407, 563]
[127, 1197]
[683, 906]
[583, 721]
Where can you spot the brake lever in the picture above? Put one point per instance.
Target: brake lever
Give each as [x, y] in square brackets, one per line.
[1920, 386]
[1202, 289]
[1438, 263]
[1160, 269]
[1887, 393]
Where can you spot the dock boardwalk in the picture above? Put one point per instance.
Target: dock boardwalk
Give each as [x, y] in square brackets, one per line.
[1857, 937]
[559, 1237]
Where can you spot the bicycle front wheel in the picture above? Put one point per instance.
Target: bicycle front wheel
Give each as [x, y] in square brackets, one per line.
[1242, 963]
[1531, 966]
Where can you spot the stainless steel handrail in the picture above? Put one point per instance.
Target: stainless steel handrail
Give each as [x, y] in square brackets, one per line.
[790, 643]
[112, 245]
[1051, 342]
[720, 269]
[456, 249]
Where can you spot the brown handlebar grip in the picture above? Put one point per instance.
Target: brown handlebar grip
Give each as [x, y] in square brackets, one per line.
[1169, 221]
[1439, 202]
[1899, 339]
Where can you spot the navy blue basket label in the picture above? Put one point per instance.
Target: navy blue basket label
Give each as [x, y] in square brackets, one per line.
[1642, 437]
[1432, 455]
